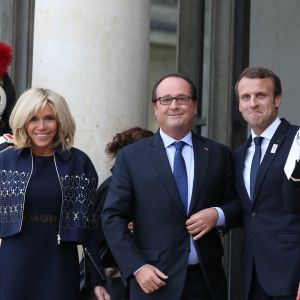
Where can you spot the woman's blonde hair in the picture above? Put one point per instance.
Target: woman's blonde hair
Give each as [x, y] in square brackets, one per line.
[27, 106]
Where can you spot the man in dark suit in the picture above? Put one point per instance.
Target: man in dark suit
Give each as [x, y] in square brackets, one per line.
[272, 232]
[175, 251]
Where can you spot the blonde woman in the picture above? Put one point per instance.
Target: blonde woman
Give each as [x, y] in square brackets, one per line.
[47, 192]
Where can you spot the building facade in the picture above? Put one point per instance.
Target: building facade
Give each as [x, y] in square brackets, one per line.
[103, 56]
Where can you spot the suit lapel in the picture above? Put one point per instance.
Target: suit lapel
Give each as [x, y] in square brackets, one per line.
[164, 173]
[240, 172]
[272, 150]
[201, 156]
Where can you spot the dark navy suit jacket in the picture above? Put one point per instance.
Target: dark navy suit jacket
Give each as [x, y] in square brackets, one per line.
[143, 188]
[272, 232]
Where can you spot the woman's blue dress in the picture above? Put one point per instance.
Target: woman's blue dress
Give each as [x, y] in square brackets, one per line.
[32, 264]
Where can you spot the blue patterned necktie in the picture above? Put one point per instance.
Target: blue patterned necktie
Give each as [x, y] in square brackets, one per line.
[255, 164]
[180, 174]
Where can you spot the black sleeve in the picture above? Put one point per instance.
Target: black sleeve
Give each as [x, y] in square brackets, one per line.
[105, 253]
[92, 275]
[291, 192]
[11, 100]
[296, 172]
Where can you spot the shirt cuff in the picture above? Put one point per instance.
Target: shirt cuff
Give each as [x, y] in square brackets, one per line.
[221, 219]
[134, 273]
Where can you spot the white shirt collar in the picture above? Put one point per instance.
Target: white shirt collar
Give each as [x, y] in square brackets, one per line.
[168, 141]
[269, 132]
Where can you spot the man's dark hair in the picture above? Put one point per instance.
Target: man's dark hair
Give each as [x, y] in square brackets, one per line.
[260, 72]
[188, 80]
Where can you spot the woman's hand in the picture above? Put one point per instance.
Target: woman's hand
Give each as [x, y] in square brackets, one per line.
[101, 293]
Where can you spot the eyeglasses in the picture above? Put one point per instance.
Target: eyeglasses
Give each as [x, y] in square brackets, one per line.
[167, 100]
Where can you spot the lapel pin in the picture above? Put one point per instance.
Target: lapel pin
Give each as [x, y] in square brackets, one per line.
[274, 148]
[206, 149]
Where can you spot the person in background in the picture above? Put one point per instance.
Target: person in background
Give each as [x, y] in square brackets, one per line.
[176, 187]
[7, 91]
[271, 215]
[115, 284]
[7, 96]
[47, 190]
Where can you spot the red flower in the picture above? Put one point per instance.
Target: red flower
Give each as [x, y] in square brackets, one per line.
[5, 58]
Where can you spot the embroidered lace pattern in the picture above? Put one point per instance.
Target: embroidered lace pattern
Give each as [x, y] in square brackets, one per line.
[78, 204]
[78, 199]
[12, 190]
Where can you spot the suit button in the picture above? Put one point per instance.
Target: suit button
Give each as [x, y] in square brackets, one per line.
[253, 214]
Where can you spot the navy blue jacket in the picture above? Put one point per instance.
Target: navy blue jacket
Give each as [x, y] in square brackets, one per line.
[143, 189]
[78, 180]
[271, 220]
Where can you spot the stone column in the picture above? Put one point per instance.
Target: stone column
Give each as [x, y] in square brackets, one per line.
[6, 21]
[95, 53]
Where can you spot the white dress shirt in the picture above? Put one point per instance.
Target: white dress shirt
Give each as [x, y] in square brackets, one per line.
[188, 155]
[267, 135]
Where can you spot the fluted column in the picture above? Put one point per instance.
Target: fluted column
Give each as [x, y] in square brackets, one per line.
[95, 53]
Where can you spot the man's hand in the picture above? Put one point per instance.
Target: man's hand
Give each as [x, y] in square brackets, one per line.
[298, 293]
[202, 222]
[130, 226]
[101, 293]
[150, 278]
